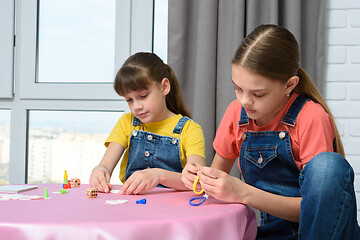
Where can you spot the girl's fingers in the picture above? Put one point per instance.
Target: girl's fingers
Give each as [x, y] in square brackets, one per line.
[209, 178]
[207, 182]
[192, 168]
[210, 172]
[187, 183]
[102, 184]
[141, 188]
[97, 185]
[189, 175]
[135, 183]
[210, 190]
[124, 187]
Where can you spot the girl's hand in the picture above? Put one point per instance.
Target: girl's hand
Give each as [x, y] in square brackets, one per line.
[189, 174]
[221, 185]
[100, 179]
[141, 181]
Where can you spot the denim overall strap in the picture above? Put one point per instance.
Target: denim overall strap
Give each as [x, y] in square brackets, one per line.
[244, 119]
[150, 150]
[179, 126]
[136, 122]
[292, 113]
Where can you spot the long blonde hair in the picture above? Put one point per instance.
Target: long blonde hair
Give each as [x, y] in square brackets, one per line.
[143, 68]
[273, 52]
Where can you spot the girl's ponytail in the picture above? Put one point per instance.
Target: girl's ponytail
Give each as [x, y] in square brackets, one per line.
[307, 88]
[174, 100]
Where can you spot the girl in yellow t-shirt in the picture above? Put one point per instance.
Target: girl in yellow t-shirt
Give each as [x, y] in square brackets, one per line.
[158, 137]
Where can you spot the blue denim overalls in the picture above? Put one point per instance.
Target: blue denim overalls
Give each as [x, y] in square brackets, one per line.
[149, 150]
[267, 163]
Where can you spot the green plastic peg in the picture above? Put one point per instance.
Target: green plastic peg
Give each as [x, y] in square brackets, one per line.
[46, 194]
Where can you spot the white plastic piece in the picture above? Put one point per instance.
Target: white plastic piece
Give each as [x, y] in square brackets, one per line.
[118, 201]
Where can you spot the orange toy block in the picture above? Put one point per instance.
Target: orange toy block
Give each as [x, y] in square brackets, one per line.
[91, 192]
[75, 182]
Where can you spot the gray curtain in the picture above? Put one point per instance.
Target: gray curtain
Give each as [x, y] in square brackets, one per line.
[204, 34]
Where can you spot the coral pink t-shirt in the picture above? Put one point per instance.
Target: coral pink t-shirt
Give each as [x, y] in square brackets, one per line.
[312, 134]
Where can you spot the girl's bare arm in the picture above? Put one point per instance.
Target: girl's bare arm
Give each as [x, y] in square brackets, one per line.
[100, 175]
[218, 183]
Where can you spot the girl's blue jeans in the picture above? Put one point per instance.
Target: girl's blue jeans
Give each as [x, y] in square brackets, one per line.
[328, 206]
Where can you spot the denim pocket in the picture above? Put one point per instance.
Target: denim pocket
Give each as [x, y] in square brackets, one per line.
[260, 155]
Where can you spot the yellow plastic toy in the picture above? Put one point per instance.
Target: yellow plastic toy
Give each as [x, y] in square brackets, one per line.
[194, 186]
[195, 200]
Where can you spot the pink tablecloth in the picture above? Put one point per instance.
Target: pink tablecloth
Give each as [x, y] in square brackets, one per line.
[166, 215]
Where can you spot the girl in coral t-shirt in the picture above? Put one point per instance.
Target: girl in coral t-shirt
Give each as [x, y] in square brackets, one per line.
[287, 145]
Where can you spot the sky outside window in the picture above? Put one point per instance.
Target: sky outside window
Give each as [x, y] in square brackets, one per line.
[76, 41]
[161, 29]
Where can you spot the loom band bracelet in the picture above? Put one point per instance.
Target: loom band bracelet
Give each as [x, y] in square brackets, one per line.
[194, 186]
[203, 198]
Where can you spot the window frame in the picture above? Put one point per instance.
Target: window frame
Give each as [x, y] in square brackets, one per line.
[28, 95]
[132, 17]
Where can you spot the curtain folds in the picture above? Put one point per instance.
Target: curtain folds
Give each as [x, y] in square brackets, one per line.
[204, 34]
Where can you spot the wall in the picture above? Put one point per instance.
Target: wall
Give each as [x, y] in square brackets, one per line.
[342, 77]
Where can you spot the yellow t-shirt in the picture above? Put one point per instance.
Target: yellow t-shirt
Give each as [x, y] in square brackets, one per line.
[192, 140]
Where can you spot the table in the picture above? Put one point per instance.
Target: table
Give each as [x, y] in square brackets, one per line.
[166, 215]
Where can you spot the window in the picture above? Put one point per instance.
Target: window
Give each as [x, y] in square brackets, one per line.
[133, 32]
[50, 85]
[73, 48]
[67, 140]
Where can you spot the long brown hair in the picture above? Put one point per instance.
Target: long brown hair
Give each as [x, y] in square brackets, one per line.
[273, 52]
[143, 68]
